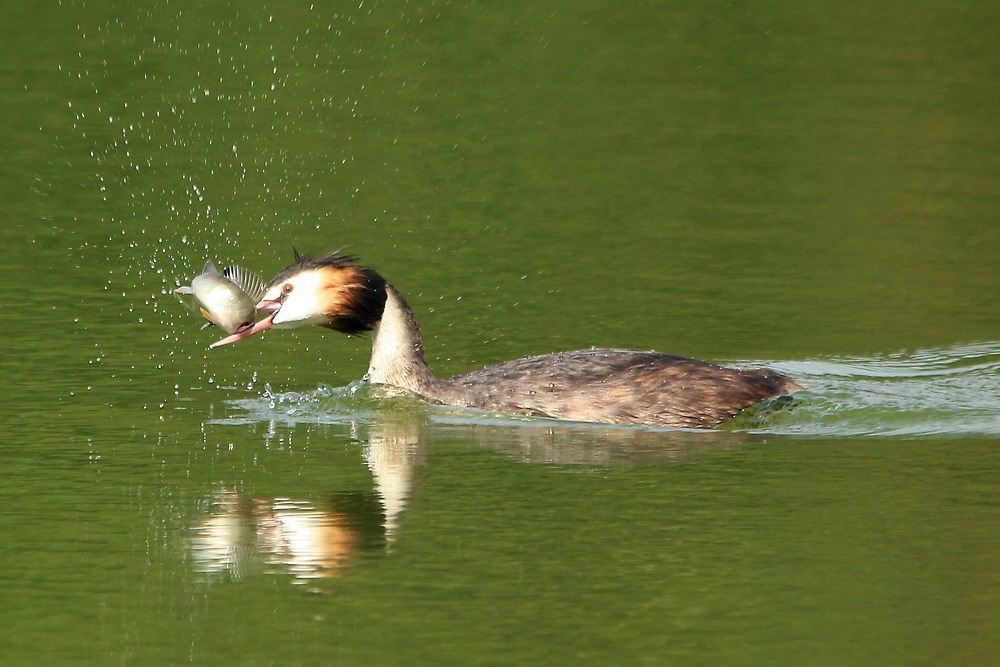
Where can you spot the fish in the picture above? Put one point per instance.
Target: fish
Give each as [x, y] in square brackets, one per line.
[227, 299]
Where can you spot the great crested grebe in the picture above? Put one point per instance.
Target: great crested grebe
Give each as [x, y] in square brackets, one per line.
[597, 385]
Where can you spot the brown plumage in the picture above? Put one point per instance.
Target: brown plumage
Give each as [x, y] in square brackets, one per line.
[598, 385]
[616, 386]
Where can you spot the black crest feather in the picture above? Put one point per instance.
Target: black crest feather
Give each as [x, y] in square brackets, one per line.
[364, 290]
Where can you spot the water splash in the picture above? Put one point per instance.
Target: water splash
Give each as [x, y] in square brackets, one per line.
[324, 405]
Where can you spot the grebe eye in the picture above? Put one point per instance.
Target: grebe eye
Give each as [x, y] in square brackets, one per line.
[287, 288]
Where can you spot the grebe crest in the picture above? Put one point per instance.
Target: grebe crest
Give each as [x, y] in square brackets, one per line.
[331, 291]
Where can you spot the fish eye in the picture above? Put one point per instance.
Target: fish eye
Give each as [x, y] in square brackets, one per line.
[287, 288]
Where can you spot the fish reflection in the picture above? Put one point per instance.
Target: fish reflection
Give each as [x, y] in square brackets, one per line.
[243, 536]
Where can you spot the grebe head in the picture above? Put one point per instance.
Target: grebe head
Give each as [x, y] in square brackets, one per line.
[329, 291]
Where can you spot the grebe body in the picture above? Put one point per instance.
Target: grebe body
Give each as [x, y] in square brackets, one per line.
[597, 385]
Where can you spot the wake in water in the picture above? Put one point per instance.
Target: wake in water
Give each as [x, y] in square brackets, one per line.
[947, 391]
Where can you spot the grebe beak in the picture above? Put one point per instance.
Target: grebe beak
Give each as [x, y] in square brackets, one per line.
[268, 306]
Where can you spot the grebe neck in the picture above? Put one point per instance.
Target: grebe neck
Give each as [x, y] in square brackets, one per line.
[398, 349]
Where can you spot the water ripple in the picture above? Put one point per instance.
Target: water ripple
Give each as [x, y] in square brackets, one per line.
[942, 391]
[953, 390]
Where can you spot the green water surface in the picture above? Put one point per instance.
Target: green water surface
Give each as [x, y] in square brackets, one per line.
[812, 186]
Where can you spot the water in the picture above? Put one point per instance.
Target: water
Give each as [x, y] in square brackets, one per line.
[808, 188]
[950, 391]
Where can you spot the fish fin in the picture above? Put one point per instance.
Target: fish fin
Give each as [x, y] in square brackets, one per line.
[209, 267]
[184, 290]
[207, 325]
[246, 280]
